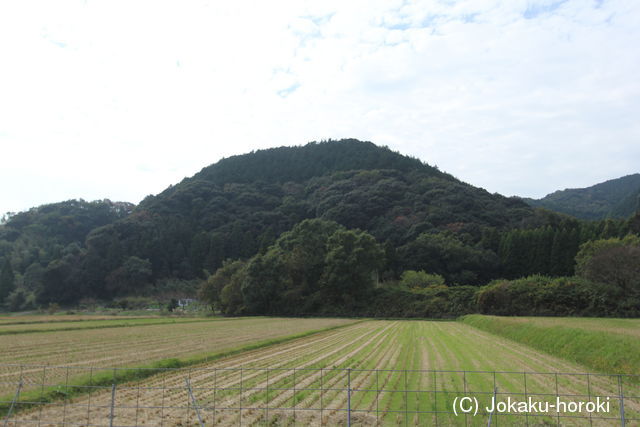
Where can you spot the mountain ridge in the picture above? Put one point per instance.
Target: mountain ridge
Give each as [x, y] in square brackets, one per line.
[614, 198]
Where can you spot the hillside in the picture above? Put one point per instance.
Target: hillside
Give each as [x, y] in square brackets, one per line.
[616, 198]
[424, 219]
[240, 205]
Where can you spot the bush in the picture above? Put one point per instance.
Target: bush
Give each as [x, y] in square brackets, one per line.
[411, 279]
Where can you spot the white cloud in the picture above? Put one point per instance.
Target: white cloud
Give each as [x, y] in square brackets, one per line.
[120, 99]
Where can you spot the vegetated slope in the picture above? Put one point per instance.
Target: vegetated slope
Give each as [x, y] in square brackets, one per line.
[312, 373]
[57, 225]
[32, 240]
[616, 198]
[240, 205]
[577, 340]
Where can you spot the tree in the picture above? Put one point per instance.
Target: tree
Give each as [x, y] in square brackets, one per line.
[304, 249]
[611, 261]
[446, 255]
[7, 280]
[57, 283]
[265, 284]
[211, 290]
[133, 275]
[351, 264]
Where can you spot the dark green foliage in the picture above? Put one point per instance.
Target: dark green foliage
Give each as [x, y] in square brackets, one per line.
[351, 265]
[130, 278]
[264, 290]
[171, 305]
[317, 263]
[211, 290]
[562, 296]
[416, 280]
[616, 198]
[46, 247]
[240, 205]
[550, 250]
[307, 224]
[60, 283]
[7, 281]
[447, 255]
[614, 262]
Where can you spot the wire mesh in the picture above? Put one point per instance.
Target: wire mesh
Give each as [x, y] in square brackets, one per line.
[87, 396]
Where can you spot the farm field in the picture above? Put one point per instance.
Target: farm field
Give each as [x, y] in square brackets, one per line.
[304, 382]
[49, 318]
[115, 322]
[142, 344]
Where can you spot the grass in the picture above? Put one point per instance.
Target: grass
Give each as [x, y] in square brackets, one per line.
[316, 367]
[589, 342]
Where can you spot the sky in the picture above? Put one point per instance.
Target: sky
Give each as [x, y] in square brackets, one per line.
[120, 99]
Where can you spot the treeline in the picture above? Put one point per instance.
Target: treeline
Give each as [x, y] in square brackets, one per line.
[321, 268]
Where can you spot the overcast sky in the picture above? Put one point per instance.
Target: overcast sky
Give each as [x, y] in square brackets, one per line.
[119, 99]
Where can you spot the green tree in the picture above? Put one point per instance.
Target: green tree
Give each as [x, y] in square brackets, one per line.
[211, 291]
[131, 277]
[351, 264]
[304, 250]
[265, 284]
[612, 261]
[231, 300]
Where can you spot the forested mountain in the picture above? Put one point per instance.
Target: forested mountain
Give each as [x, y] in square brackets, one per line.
[240, 205]
[249, 215]
[616, 198]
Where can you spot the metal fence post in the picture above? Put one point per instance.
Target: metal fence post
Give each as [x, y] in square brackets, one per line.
[495, 391]
[622, 420]
[194, 401]
[349, 397]
[13, 402]
[113, 397]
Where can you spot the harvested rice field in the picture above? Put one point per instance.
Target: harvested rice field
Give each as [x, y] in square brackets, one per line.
[139, 344]
[89, 323]
[373, 373]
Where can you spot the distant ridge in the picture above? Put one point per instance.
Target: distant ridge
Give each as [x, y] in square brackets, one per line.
[615, 198]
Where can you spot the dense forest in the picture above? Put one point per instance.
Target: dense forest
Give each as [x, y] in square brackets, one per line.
[616, 198]
[336, 227]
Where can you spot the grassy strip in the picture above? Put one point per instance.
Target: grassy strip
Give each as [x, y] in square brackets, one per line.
[119, 324]
[602, 351]
[85, 384]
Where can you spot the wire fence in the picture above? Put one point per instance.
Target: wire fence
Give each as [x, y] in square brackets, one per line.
[44, 395]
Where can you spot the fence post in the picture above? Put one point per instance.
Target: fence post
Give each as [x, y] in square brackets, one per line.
[622, 420]
[349, 397]
[194, 401]
[13, 402]
[495, 391]
[113, 397]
